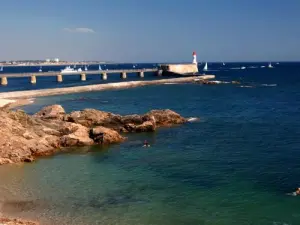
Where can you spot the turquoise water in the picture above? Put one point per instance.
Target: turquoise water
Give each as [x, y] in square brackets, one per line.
[235, 166]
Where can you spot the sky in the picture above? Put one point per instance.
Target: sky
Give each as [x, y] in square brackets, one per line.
[150, 30]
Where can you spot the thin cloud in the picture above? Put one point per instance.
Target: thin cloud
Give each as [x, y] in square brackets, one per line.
[79, 30]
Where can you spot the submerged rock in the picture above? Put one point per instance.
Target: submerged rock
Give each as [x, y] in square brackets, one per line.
[24, 137]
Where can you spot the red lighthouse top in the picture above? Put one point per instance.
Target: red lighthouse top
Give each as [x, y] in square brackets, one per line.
[194, 53]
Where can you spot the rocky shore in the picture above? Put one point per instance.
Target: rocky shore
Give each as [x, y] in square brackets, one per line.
[25, 137]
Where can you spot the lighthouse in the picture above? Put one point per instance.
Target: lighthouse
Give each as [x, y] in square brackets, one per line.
[194, 58]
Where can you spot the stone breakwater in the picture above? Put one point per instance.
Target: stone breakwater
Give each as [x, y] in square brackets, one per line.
[25, 137]
[99, 87]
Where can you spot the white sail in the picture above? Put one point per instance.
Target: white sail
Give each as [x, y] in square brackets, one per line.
[85, 68]
[1, 69]
[205, 67]
[223, 64]
[270, 65]
[100, 67]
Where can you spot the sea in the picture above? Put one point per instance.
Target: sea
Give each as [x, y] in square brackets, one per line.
[239, 164]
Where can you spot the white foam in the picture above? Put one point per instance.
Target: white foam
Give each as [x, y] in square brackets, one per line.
[269, 85]
[193, 119]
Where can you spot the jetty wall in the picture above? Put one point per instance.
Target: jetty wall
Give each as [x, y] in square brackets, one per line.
[181, 69]
[97, 87]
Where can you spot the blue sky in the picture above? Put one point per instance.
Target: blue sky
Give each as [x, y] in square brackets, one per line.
[150, 30]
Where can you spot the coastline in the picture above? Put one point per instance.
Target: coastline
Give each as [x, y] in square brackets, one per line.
[97, 87]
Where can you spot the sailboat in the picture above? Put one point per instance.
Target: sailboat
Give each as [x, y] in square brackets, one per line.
[40, 70]
[100, 67]
[205, 67]
[85, 68]
[223, 64]
[1, 69]
[270, 65]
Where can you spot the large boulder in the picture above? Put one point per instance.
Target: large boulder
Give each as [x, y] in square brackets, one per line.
[75, 135]
[51, 112]
[93, 117]
[166, 117]
[103, 135]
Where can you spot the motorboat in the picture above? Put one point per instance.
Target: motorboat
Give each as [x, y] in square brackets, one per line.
[68, 69]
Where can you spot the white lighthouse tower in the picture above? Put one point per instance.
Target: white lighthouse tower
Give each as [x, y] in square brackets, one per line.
[194, 58]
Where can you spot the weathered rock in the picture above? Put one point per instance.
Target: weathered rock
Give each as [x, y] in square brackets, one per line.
[6, 221]
[90, 117]
[75, 135]
[25, 137]
[51, 112]
[103, 135]
[166, 117]
[147, 126]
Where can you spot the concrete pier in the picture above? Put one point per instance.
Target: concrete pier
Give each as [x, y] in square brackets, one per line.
[98, 87]
[179, 69]
[104, 76]
[4, 81]
[123, 75]
[141, 74]
[59, 78]
[83, 77]
[33, 79]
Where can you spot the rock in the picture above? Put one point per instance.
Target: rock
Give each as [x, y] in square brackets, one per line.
[75, 135]
[6, 221]
[147, 126]
[166, 117]
[51, 112]
[5, 161]
[25, 137]
[103, 135]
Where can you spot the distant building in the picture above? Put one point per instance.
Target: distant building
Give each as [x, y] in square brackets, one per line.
[56, 60]
[48, 60]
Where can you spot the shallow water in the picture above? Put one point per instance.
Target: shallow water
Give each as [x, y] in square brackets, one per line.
[235, 166]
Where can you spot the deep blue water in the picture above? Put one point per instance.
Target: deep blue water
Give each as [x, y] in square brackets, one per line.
[235, 166]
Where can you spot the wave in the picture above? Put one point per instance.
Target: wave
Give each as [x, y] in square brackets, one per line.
[170, 83]
[269, 85]
[193, 119]
[246, 86]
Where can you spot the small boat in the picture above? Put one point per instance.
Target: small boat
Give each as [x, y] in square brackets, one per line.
[100, 67]
[85, 68]
[223, 64]
[242, 68]
[262, 66]
[40, 70]
[68, 70]
[1, 69]
[270, 65]
[133, 66]
[205, 67]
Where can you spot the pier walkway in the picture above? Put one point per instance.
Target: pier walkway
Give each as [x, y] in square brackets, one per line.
[33, 76]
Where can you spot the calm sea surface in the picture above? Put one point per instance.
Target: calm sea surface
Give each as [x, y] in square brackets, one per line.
[235, 166]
